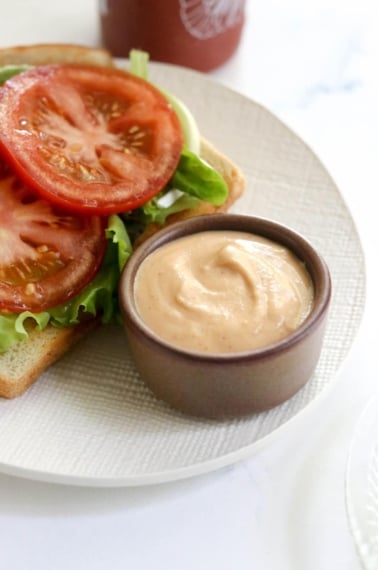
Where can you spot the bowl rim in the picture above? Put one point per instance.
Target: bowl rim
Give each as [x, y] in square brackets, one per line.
[258, 225]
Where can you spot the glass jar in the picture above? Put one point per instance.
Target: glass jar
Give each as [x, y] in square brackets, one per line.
[201, 34]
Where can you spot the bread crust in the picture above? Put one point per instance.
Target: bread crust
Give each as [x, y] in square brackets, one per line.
[43, 54]
[24, 362]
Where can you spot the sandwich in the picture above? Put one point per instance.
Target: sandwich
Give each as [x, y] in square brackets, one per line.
[93, 160]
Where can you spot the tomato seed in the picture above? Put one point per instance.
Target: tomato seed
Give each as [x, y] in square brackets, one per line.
[30, 289]
[42, 249]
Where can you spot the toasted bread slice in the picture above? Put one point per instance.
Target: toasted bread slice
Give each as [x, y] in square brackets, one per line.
[43, 54]
[24, 362]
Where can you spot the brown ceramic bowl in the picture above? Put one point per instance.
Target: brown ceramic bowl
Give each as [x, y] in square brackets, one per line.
[234, 384]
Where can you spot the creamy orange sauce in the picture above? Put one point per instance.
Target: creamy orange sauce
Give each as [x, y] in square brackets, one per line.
[223, 292]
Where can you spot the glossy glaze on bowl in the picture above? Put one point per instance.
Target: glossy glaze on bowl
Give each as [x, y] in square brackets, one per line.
[227, 385]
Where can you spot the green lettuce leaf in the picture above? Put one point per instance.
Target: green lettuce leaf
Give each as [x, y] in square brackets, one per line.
[166, 203]
[8, 71]
[194, 181]
[100, 296]
[198, 179]
[12, 327]
[138, 60]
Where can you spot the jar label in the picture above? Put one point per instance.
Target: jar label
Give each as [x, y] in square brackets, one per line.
[206, 19]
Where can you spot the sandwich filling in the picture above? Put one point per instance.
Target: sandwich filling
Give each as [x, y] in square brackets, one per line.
[84, 168]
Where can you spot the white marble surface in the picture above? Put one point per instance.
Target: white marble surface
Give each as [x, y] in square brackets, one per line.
[314, 64]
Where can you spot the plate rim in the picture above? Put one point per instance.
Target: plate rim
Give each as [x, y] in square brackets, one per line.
[178, 474]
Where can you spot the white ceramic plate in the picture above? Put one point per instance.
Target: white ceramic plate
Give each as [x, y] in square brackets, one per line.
[362, 486]
[90, 421]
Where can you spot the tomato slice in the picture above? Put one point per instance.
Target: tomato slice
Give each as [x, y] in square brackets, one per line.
[89, 139]
[46, 255]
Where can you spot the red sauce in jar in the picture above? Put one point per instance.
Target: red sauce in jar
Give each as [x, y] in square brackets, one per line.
[192, 33]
